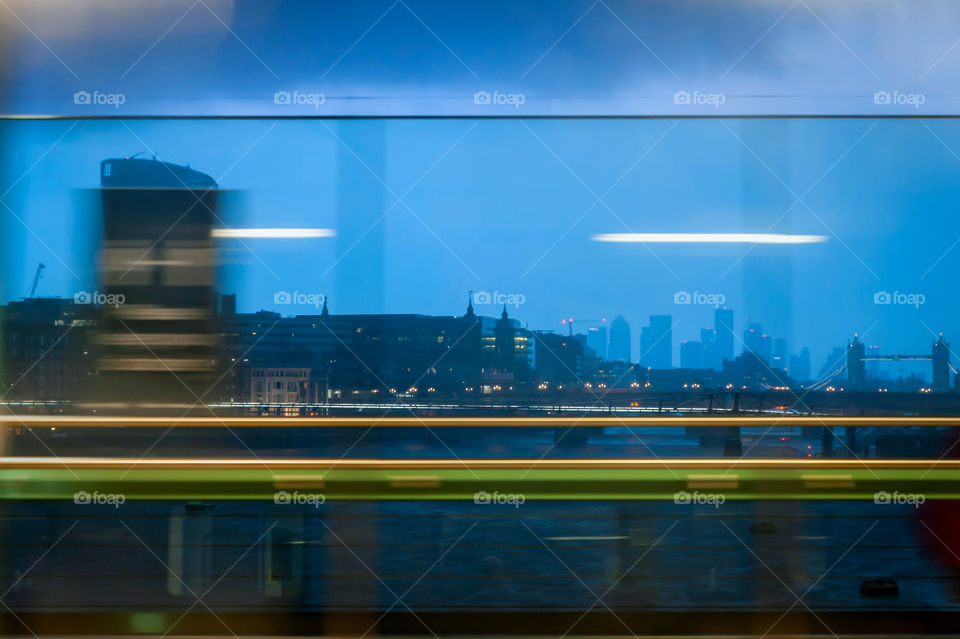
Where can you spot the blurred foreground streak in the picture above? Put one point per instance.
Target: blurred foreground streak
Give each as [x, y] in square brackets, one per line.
[156, 345]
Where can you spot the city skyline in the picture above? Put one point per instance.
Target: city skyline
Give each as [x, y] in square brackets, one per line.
[357, 356]
[716, 343]
[512, 240]
[709, 352]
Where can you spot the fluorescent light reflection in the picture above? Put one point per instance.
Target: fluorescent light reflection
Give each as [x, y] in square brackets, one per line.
[710, 238]
[272, 233]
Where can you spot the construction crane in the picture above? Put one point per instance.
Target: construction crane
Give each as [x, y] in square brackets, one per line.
[36, 279]
[569, 323]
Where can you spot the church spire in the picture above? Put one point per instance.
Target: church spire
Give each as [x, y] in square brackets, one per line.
[325, 311]
[470, 313]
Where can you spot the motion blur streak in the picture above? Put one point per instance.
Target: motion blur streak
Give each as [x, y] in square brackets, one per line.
[710, 238]
[272, 233]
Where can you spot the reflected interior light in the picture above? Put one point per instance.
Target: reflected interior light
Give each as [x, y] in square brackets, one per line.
[272, 233]
[588, 538]
[710, 238]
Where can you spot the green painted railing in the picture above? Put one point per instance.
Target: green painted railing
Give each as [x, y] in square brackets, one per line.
[481, 481]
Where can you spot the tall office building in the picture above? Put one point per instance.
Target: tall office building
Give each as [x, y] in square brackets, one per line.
[619, 350]
[156, 340]
[711, 359]
[873, 365]
[779, 361]
[941, 365]
[723, 324]
[656, 342]
[835, 365]
[562, 361]
[757, 342]
[800, 366]
[856, 367]
[597, 339]
[692, 355]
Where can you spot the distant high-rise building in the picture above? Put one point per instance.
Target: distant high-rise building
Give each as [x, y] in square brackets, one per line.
[856, 367]
[597, 340]
[779, 361]
[873, 365]
[723, 324]
[757, 342]
[591, 362]
[562, 361]
[835, 366]
[711, 354]
[800, 365]
[692, 355]
[619, 346]
[656, 342]
[941, 365]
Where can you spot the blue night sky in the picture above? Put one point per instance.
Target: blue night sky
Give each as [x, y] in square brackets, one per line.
[510, 205]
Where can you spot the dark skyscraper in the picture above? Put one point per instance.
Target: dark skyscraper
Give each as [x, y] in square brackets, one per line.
[835, 364]
[757, 342]
[656, 342]
[800, 365]
[873, 366]
[856, 367]
[619, 349]
[708, 339]
[723, 323]
[156, 338]
[692, 355]
[779, 361]
[597, 340]
[941, 365]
